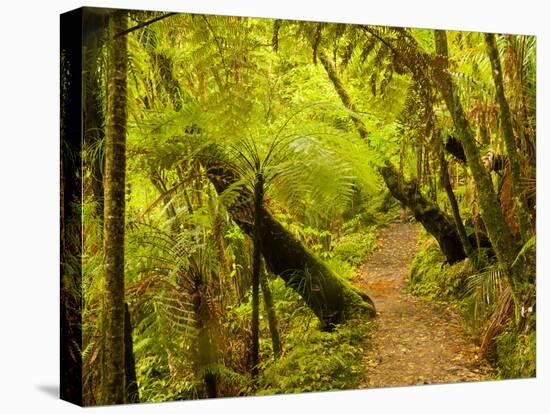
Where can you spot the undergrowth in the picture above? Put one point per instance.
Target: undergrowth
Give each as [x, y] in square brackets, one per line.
[318, 361]
[476, 293]
[516, 354]
[312, 359]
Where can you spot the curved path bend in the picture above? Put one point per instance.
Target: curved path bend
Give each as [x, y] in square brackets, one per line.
[414, 341]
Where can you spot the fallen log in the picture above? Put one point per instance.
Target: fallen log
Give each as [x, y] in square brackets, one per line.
[331, 298]
[434, 220]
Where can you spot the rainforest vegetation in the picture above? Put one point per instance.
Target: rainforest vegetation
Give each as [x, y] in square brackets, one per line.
[241, 177]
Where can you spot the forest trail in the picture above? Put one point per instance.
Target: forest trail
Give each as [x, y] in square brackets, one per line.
[414, 341]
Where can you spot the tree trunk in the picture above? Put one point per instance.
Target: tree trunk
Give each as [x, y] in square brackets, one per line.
[132, 390]
[508, 135]
[424, 211]
[445, 181]
[435, 221]
[271, 316]
[205, 324]
[256, 271]
[346, 99]
[502, 240]
[332, 299]
[114, 226]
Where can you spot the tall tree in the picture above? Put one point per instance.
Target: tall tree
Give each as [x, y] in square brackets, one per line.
[114, 213]
[501, 238]
[508, 135]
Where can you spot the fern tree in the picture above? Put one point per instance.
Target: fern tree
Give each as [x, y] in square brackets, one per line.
[257, 171]
[222, 127]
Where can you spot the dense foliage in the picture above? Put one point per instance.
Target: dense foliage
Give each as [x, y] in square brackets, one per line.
[249, 135]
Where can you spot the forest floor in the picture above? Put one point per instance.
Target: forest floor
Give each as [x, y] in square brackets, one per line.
[414, 341]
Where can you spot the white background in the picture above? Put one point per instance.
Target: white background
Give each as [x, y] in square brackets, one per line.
[29, 161]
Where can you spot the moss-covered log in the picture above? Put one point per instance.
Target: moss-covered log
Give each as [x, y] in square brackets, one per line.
[331, 298]
[435, 221]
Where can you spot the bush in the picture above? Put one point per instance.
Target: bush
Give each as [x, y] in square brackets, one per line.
[426, 271]
[341, 267]
[353, 248]
[322, 361]
[432, 278]
[516, 354]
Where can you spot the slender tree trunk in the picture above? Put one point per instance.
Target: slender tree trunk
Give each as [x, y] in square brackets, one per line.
[508, 135]
[114, 226]
[445, 181]
[502, 240]
[205, 346]
[346, 99]
[275, 36]
[271, 316]
[132, 390]
[256, 271]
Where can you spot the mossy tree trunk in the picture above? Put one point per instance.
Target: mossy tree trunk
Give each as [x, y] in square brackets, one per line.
[256, 270]
[435, 221]
[332, 299]
[206, 350]
[504, 245]
[446, 183]
[114, 218]
[345, 97]
[508, 135]
[271, 315]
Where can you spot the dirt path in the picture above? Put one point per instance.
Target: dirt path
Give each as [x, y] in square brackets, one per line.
[415, 341]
